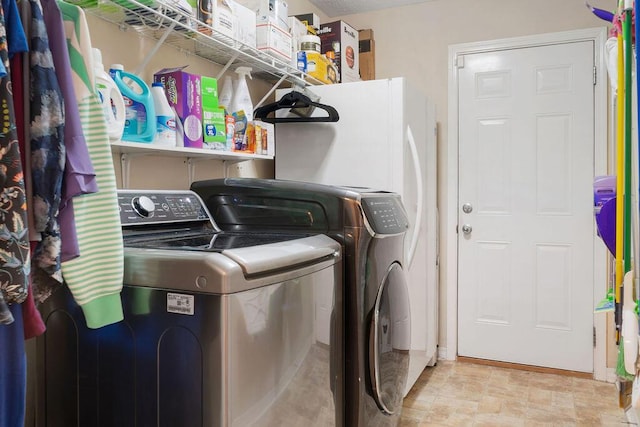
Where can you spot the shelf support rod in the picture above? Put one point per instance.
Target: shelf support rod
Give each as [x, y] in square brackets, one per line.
[191, 170]
[154, 50]
[191, 167]
[227, 65]
[125, 169]
[125, 166]
[229, 162]
[273, 89]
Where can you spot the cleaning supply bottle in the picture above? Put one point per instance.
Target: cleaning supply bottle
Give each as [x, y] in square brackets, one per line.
[226, 93]
[165, 117]
[241, 100]
[110, 98]
[140, 122]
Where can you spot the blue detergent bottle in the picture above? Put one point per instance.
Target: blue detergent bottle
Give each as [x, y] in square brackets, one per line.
[140, 120]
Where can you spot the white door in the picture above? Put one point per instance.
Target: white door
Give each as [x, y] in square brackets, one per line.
[526, 163]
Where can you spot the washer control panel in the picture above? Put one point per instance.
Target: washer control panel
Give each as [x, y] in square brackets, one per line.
[385, 214]
[157, 207]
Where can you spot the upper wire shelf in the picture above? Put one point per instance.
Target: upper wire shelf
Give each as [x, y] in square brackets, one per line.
[184, 32]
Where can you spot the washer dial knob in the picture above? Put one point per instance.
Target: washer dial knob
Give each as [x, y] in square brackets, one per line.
[143, 206]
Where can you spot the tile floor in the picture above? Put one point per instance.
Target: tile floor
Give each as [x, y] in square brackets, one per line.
[467, 394]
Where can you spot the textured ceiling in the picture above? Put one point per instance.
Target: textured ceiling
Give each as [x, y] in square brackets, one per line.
[347, 7]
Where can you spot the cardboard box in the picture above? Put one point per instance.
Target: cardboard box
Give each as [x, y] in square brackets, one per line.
[183, 92]
[274, 40]
[214, 136]
[366, 34]
[342, 39]
[367, 52]
[216, 14]
[223, 19]
[245, 25]
[265, 138]
[269, 12]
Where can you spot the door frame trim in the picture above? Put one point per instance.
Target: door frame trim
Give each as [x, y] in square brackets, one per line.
[450, 237]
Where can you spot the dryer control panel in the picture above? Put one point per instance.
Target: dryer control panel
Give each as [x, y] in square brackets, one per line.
[158, 207]
[385, 214]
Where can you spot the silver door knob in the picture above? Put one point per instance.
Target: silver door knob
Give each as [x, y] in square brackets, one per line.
[467, 208]
[466, 229]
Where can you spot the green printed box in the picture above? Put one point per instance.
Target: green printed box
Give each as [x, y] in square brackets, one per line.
[212, 115]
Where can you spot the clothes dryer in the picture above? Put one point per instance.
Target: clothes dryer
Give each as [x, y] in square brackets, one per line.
[371, 227]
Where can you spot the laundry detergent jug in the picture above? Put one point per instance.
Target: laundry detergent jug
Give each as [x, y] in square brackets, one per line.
[140, 117]
[110, 99]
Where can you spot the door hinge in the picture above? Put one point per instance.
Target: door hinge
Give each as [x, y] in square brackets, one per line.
[595, 75]
[459, 61]
[594, 336]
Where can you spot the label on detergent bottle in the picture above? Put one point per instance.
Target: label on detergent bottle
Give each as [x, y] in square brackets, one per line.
[166, 130]
[106, 103]
[136, 117]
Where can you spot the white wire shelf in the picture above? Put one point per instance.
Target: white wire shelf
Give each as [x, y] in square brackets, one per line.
[137, 148]
[175, 27]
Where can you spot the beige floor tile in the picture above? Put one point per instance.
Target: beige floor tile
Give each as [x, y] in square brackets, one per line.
[419, 403]
[541, 397]
[489, 405]
[466, 394]
[562, 399]
[486, 420]
[410, 414]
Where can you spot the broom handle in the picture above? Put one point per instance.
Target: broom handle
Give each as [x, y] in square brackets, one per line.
[619, 180]
[628, 160]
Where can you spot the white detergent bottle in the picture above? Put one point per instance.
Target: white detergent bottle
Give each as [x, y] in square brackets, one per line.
[110, 99]
[166, 118]
[241, 97]
[225, 94]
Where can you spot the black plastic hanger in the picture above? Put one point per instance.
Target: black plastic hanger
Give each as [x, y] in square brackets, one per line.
[295, 101]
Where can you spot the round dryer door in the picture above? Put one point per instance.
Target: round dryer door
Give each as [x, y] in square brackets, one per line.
[389, 340]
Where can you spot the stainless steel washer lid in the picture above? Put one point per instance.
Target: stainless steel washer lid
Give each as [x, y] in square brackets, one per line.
[232, 270]
[276, 256]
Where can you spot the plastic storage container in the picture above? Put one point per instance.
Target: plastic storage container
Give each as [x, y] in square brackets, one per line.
[110, 99]
[140, 122]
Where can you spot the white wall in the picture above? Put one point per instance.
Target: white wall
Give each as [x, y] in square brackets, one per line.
[411, 41]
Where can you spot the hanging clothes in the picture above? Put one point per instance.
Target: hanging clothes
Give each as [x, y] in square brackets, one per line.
[12, 355]
[32, 319]
[46, 112]
[14, 245]
[13, 372]
[79, 174]
[16, 38]
[95, 278]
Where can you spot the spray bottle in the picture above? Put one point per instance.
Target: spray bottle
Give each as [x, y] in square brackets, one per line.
[241, 97]
[110, 98]
[226, 93]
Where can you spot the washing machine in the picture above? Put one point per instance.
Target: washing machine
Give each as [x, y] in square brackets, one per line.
[221, 329]
[371, 226]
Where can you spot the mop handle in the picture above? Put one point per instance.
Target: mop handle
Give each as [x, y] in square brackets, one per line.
[628, 161]
[619, 178]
